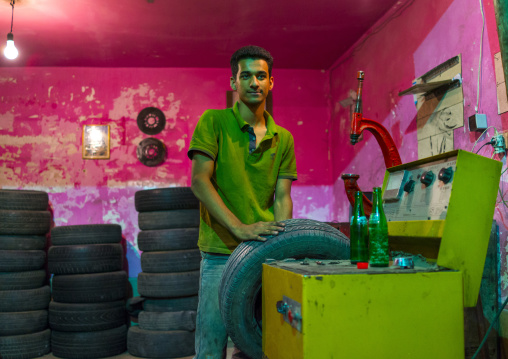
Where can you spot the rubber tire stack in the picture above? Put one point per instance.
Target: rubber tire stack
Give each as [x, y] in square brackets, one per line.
[87, 315]
[24, 293]
[170, 262]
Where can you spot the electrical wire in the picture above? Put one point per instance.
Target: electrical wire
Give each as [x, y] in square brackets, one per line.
[490, 328]
[485, 144]
[12, 16]
[476, 142]
[480, 59]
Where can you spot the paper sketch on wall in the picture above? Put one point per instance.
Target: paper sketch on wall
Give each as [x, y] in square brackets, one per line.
[439, 101]
[502, 99]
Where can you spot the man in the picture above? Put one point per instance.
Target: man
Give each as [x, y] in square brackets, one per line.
[243, 165]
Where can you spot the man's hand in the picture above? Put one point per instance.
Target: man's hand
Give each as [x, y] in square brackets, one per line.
[253, 232]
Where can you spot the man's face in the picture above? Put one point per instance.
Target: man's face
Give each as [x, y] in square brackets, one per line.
[252, 81]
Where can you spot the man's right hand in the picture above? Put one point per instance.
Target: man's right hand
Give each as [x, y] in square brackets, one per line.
[255, 231]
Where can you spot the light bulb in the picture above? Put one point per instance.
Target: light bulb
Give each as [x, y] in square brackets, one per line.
[10, 50]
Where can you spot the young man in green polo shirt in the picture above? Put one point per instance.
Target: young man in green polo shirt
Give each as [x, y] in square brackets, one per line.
[243, 165]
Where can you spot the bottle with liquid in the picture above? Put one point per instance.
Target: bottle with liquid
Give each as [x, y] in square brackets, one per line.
[359, 232]
[378, 233]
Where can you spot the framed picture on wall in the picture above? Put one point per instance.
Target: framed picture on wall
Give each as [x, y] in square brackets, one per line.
[232, 97]
[96, 141]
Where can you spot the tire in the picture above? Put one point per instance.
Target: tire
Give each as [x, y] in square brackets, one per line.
[86, 234]
[168, 285]
[19, 261]
[168, 239]
[90, 288]
[171, 305]
[22, 280]
[26, 346]
[25, 300]
[19, 323]
[240, 287]
[89, 345]
[159, 344]
[23, 200]
[82, 259]
[86, 317]
[170, 262]
[185, 320]
[163, 199]
[26, 243]
[178, 218]
[24, 222]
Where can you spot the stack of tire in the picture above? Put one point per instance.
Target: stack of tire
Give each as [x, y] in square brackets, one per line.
[24, 293]
[169, 281]
[87, 315]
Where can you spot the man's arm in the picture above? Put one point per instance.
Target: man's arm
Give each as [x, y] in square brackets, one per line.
[202, 171]
[283, 204]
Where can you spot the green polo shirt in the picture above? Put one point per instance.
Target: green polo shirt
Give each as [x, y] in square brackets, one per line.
[245, 180]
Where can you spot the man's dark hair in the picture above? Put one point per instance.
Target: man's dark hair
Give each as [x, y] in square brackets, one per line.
[250, 52]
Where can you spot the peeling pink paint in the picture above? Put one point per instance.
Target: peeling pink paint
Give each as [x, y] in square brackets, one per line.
[392, 54]
[43, 110]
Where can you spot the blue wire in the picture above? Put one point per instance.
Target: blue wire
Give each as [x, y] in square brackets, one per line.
[490, 328]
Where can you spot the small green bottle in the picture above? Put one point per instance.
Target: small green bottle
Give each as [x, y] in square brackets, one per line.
[378, 233]
[359, 232]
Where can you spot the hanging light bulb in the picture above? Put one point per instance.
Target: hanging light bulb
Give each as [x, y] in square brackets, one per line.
[10, 50]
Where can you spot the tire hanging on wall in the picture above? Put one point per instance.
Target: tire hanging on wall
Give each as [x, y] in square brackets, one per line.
[240, 286]
[151, 152]
[151, 120]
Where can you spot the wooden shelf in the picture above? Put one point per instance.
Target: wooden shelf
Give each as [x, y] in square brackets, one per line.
[427, 87]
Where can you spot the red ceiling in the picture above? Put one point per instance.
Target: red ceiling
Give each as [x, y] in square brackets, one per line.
[183, 33]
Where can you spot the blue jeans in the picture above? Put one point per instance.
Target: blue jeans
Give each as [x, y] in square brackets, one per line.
[211, 335]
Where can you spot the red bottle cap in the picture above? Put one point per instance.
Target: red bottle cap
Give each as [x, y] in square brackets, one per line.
[362, 265]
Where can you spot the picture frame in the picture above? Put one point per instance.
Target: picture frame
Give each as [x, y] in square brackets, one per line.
[96, 142]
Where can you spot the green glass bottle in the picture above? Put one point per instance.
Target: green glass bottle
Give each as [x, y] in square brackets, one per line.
[359, 232]
[378, 233]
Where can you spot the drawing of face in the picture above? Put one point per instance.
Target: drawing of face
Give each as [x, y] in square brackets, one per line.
[448, 119]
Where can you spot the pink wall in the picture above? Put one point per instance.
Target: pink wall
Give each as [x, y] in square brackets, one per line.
[392, 54]
[42, 111]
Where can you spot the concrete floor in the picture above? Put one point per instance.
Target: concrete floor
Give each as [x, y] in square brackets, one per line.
[126, 355]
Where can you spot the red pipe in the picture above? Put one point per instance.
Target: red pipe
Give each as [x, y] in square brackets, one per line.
[385, 141]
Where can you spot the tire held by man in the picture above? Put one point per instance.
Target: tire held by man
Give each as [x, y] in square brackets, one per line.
[240, 287]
